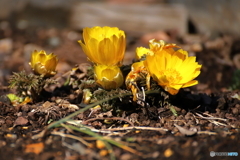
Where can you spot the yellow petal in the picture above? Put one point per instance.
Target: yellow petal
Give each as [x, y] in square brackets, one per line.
[104, 45]
[172, 91]
[140, 52]
[189, 84]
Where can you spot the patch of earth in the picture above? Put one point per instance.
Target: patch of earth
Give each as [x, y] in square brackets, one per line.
[193, 123]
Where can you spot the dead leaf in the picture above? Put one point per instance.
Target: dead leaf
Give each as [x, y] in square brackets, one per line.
[21, 121]
[34, 148]
[185, 131]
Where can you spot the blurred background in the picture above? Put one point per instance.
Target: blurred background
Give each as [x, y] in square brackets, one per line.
[56, 26]
[204, 16]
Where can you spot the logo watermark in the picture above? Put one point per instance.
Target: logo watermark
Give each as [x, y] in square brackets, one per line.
[212, 154]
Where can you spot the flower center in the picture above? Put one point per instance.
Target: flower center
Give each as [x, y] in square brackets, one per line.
[170, 75]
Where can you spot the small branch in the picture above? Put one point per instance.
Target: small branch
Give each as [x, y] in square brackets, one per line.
[210, 117]
[110, 118]
[135, 128]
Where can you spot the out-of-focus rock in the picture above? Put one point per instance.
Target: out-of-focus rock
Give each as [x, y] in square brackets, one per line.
[207, 17]
[134, 18]
[63, 67]
[6, 46]
[8, 7]
[196, 47]
[133, 1]
[214, 16]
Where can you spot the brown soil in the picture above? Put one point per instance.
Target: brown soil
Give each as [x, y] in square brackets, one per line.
[207, 115]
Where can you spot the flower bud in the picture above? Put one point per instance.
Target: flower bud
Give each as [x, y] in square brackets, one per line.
[108, 77]
[43, 64]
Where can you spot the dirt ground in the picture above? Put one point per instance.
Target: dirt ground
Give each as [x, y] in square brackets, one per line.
[190, 125]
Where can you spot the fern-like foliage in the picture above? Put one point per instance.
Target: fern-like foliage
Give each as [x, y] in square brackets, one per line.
[28, 85]
[24, 82]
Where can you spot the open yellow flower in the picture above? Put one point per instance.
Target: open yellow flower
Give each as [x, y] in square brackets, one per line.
[104, 45]
[141, 52]
[43, 64]
[108, 77]
[170, 68]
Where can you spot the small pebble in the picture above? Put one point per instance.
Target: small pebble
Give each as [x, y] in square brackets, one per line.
[126, 156]
[162, 121]
[155, 154]
[195, 144]
[6, 46]
[221, 115]
[227, 115]
[183, 111]
[173, 117]
[190, 122]
[210, 125]
[218, 110]
[54, 41]
[187, 117]
[202, 122]
[72, 96]
[180, 117]
[235, 111]
[177, 109]
[180, 123]
[237, 106]
[25, 108]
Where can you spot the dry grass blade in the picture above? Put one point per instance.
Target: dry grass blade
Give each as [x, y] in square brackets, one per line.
[209, 117]
[105, 140]
[71, 136]
[207, 132]
[136, 128]
[109, 118]
[217, 123]
[89, 132]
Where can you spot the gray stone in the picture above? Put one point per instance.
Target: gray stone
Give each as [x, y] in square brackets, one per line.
[130, 17]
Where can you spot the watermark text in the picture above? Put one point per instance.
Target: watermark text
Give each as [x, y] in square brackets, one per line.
[213, 154]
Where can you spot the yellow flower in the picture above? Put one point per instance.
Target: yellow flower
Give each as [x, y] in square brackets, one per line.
[108, 77]
[132, 77]
[43, 64]
[136, 69]
[155, 46]
[172, 69]
[104, 45]
[141, 51]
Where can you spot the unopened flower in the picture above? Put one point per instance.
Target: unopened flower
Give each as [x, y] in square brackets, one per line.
[43, 64]
[158, 46]
[104, 45]
[136, 69]
[170, 68]
[131, 80]
[108, 77]
[87, 95]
